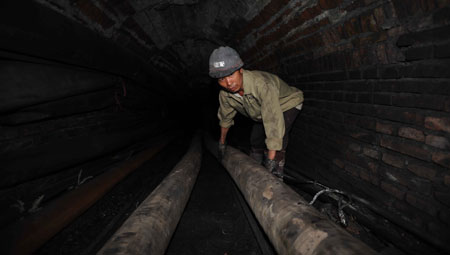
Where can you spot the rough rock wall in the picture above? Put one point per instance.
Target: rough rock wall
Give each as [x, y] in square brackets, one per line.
[377, 112]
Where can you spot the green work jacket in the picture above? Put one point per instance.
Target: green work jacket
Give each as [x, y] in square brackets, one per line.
[265, 99]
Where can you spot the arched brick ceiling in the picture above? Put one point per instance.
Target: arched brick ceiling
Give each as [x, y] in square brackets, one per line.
[177, 35]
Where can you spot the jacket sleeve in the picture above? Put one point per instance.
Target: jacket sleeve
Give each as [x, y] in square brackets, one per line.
[225, 113]
[272, 116]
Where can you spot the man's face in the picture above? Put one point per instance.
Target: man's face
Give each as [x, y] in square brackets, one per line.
[232, 82]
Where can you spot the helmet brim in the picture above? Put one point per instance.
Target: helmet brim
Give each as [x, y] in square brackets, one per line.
[223, 73]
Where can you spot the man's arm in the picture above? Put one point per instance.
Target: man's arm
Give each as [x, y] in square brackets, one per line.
[223, 135]
[271, 154]
[273, 119]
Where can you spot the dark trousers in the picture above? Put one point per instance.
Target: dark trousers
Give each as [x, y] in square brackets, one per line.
[258, 135]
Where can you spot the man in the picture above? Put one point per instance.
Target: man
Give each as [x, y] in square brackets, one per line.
[261, 96]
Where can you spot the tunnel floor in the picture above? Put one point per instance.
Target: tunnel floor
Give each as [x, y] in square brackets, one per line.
[214, 221]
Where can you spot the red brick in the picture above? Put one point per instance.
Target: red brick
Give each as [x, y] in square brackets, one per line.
[132, 25]
[365, 175]
[422, 171]
[395, 31]
[366, 40]
[314, 11]
[382, 36]
[368, 2]
[369, 176]
[339, 163]
[385, 128]
[313, 28]
[444, 215]
[411, 133]
[421, 204]
[94, 13]
[394, 53]
[125, 8]
[443, 3]
[381, 54]
[401, 206]
[356, 59]
[364, 136]
[438, 123]
[352, 27]
[354, 147]
[365, 53]
[373, 167]
[443, 197]
[441, 158]
[353, 6]
[329, 4]
[271, 26]
[371, 153]
[447, 180]
[432, 102]
[413, 6]
[393, 160]
[427, 5]
[335, 34]
[405, 208]
[438, 141]
[393, 190]
[439, 231]
[405, 147]
[374, 179]
[447, 105]
[379, 15]
[326, 38]
[269, 10]
[420, 185]
[284, 29]
[368, 23]
[405, 8]
[399, 115]
[417, 220]
[352, 170]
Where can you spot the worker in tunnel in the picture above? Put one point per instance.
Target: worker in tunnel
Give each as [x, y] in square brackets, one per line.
[261, 96]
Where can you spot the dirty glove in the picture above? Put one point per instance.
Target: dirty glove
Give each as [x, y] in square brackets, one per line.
[270, 165]
[221, 151]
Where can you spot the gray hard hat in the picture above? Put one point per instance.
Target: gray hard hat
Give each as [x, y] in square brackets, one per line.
[223, 62]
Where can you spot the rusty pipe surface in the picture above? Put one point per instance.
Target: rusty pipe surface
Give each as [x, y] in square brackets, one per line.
[292, 225]
[31, 233]
[149, 229]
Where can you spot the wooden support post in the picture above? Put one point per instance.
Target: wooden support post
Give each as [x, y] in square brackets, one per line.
[292, 225]
[149, 229]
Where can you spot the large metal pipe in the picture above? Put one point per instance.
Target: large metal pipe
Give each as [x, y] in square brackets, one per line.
[29, 234]
[149, 229]
[292, 225]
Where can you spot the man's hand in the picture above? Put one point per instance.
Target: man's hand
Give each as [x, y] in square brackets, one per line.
[221, 151]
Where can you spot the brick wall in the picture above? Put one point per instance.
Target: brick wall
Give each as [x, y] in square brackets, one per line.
[376, 120]
[60, 124]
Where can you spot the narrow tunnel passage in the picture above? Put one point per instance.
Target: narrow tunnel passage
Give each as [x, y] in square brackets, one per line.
[87, 84]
